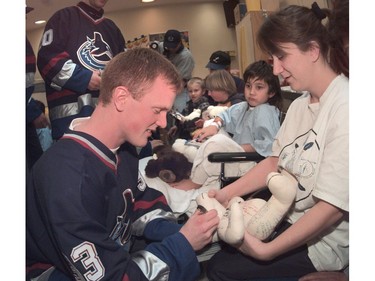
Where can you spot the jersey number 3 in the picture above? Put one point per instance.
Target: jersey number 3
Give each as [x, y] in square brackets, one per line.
[86, 253]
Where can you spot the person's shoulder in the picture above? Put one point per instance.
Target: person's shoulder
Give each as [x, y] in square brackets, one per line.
[265, 108]
[186, 52]
[240, 104]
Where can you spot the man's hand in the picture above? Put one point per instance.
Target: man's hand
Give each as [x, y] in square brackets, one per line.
[199, 228]
[95, 81]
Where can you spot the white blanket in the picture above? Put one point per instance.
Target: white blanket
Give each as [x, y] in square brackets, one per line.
[180, 201]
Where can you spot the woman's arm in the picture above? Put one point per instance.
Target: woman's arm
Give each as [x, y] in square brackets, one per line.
[253, 180]
[248, 147]
[320, 217]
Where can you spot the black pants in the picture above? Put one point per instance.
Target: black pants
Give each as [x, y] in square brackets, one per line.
[230, 264]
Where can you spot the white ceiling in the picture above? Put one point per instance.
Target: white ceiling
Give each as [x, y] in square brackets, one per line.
[44, 9]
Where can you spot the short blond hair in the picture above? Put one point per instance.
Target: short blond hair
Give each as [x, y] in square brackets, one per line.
[137, 69]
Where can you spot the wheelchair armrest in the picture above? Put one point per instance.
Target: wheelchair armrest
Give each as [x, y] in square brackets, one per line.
[216, 157]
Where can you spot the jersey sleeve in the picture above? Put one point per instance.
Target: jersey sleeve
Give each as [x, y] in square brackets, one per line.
[54, 62]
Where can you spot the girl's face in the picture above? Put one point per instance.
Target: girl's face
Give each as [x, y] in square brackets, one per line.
[257, 91]
[195, 92]
[218, 96]
[295, 66]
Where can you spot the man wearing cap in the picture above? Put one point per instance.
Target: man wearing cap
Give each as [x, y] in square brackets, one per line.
[221, 60]
[183, 60]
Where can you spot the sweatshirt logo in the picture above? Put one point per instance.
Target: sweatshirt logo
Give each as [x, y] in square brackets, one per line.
[95, 53]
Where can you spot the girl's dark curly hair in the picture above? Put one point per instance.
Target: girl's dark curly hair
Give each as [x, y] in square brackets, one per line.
[263, 70]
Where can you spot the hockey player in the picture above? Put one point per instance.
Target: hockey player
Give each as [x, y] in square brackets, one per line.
[87, 204]
[77, 43]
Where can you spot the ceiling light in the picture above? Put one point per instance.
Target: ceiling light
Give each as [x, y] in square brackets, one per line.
[147, 1]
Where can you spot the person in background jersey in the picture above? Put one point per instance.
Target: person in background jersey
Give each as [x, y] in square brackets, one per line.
[77, 43]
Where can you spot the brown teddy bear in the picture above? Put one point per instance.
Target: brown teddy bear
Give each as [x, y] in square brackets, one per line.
[169, 165]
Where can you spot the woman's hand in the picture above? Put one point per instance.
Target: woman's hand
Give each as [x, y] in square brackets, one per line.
[220, 195]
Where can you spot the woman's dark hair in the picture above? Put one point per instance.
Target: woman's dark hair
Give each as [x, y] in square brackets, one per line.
[263, 70]
[295, 24]
[338, 28]
[301, 25]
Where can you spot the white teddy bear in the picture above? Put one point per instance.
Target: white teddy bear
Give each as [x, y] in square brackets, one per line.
[256, 216]
[189, 148]
[182, 146]
[212, 111]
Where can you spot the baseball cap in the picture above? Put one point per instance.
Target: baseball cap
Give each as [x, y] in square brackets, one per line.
[172, 38]
[219, 60]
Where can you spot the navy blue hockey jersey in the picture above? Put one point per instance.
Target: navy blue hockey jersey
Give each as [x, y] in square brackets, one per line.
[84, 210]
[76, 41]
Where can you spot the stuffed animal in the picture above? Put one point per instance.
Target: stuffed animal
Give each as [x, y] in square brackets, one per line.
[212, 111]
[256, 216]
[187, 148]
[195, 114]
[169, 165]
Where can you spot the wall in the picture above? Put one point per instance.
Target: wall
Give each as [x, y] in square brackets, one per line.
[205, 22]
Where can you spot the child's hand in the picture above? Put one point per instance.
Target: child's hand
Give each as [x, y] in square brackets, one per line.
[196, 133]
[205, 133]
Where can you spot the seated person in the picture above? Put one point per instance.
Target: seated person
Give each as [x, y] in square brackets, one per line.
[253, 125]
[221, 60]
[198, 101]
[222, 90]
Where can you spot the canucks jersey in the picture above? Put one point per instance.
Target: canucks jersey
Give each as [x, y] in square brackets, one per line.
[85, 211]
[76, 41]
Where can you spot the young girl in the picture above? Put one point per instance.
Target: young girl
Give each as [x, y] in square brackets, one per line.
[312, 145]
[253, 125]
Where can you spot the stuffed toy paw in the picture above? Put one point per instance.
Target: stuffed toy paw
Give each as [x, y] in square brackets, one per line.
[256, 216]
